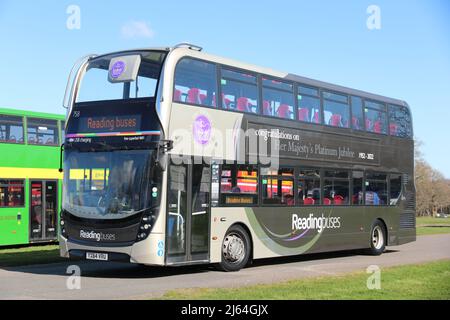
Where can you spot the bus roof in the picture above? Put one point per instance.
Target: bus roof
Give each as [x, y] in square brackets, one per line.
[18, 112]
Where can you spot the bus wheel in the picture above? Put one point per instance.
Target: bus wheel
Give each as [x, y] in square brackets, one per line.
[235, 249]
[377, 238]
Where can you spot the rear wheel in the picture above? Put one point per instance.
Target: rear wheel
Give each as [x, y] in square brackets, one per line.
[377, 238]
[235, 249]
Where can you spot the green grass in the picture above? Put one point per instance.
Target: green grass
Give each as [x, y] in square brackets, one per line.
[430, 225]
[425, 281]
[29, 255]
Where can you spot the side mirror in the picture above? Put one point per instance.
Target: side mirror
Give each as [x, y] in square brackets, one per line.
[161, 158]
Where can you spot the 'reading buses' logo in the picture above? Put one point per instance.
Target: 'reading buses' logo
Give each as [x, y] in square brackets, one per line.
[97, 236]
[315, 223]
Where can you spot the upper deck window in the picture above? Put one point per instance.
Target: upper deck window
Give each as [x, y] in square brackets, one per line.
[399, 122]
[308, 104]
[195, 83]
[96, 87]
[376, 118]
[11, 129]
[278, 98]
[240, 91]
[336, 111]
[42, 131]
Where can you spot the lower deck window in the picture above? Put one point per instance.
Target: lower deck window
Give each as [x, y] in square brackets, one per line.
[309, 192]
[11, 193]
[376, 189]
[239, 185]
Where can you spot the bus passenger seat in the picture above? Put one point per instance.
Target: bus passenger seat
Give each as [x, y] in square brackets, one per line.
[267, 109]
[355, 123]
[194, 96]
[316, 117]
[377, 127]
[177, 95]
[393, 129]
[368, 125]
[308, 201]
[336, 120]
[283, 111]
[303, 114]
[243, 104]
[202, 98]
[327, 202]
[338, 200]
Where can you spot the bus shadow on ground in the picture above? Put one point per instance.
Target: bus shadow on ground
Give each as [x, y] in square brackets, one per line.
[115, 270]
[313, 257]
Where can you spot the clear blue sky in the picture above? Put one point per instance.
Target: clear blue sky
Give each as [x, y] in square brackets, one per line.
[408, 58]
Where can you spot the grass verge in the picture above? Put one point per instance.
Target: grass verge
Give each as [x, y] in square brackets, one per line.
[29, 255]
[430, 225]
[424, 281]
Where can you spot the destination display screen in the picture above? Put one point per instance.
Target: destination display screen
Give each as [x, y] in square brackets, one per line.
[118, 123]
[124, 123]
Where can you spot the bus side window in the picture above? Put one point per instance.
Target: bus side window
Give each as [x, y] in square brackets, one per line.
[195, 83]
[399, 122]
[239, 185]
[309, 193]
[240, 91]
[376, 118]
[336, 110]
[376, 189]
[278, 99]
[11, 129]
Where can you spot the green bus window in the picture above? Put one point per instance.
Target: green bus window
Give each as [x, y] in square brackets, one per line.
[336, 111]
[239, 91]
[278, 99]
[309, 193]
[195, 83]
[278, 186]
[399, 122]
[42, 131]
[395, 188]
[11, 129]
[357, 113]
[357, 194]
[11, 193]
[336, 188]
[239, 185]
[376, 118]
[376, 189]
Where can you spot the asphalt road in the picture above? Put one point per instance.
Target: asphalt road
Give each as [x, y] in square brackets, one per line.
[126, 281]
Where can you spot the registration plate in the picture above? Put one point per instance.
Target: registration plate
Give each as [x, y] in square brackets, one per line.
[97, 256]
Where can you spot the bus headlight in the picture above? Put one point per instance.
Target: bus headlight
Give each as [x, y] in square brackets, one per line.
[145, 227]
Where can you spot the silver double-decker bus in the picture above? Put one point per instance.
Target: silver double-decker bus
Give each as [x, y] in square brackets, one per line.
[173, 156]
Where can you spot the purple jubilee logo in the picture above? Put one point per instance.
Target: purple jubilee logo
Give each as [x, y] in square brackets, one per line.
[117, 69]
[202, 130]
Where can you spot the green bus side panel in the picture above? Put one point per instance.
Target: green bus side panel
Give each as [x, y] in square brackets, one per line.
[14, 231]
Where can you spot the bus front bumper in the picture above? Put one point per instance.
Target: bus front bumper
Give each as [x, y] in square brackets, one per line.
[149, 251]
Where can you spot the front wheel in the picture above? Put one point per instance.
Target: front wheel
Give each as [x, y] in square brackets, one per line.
[377, 238]
[235, 249]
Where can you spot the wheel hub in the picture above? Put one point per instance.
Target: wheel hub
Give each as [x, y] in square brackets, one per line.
[233, 248]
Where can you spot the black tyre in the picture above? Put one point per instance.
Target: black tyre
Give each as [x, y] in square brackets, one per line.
[377, 238]
[236, 249]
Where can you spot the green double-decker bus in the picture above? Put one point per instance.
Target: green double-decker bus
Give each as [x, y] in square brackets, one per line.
[30, 182]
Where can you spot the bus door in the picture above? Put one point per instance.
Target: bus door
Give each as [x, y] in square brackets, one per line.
[43, 210]
[188, 213]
